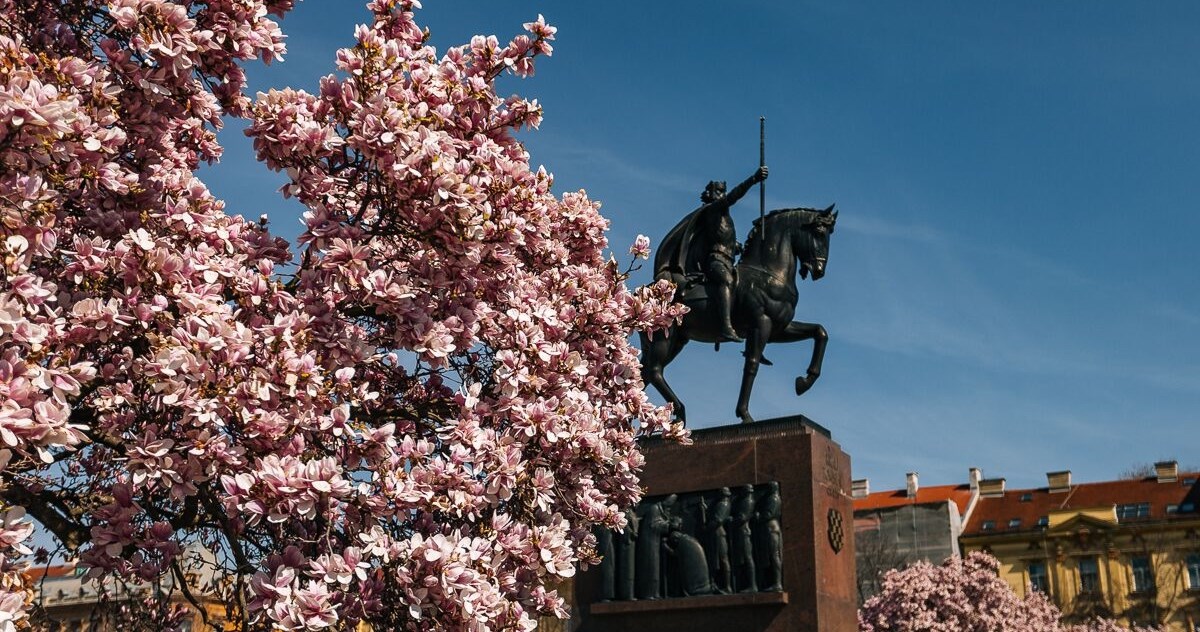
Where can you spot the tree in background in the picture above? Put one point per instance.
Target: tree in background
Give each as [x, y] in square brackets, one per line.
[874, 555]
[1138, 471]
[417, 426]
[964, 595]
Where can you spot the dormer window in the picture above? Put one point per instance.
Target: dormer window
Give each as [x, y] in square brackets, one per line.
[1133, 510]
[988, 525]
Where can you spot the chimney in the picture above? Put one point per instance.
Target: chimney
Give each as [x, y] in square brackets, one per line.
[1058, 481]
[974, 475]
[911, 485]
[991, 487]
[1166, 471]
[860, 488]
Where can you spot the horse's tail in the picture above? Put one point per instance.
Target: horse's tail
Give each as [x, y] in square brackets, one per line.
[650, 362]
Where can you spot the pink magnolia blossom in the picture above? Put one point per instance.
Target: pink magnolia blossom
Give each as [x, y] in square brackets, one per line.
[12, 610]
[640, 248]
[964, 595]
[435, 404]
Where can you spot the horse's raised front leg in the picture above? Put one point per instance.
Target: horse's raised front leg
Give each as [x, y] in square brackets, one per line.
[756, 339]
[796, 331]
[657, 353]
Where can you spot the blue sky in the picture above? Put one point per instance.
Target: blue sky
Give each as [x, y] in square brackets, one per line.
[1012, 283]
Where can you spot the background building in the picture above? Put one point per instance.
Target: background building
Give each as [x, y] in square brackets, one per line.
[1127, 549]
[65, 602]
[897, 527]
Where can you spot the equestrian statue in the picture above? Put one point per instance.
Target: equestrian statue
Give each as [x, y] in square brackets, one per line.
[752, 301]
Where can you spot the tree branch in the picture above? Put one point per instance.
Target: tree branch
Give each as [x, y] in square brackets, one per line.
[184, 588]
[52, 512]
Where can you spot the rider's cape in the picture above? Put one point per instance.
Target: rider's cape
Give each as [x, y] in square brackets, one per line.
[682, 253]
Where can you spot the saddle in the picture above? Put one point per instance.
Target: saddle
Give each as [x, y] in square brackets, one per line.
[693, 288]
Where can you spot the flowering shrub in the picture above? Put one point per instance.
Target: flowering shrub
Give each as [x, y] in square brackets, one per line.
[964, 595]
[417, 427]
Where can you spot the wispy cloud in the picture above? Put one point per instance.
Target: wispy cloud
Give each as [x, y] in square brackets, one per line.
[1176, 313]
[1181, 379]
[596, 161]
[876, 227]
[936, 294]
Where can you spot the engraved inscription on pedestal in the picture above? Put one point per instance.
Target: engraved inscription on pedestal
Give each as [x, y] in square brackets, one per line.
[712, 542]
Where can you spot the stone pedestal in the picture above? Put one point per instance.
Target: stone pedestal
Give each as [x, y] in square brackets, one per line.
[817, 533]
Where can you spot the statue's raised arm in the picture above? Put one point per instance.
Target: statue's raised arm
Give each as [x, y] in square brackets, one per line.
[740, 190]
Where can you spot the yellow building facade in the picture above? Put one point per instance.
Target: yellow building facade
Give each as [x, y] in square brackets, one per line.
[1127, 549]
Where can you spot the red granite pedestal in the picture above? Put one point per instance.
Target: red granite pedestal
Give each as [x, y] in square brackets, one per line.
[818, 548]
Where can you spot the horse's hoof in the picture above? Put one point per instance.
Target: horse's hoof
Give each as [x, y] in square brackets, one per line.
[747, 419]
[802, 385]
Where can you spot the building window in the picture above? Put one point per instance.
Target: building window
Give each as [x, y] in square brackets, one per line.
[1193, 571]
[1026, 497]
[1037, 577]
[1171, 509]
[1133, 510]
[1014, 523]
[1187, 507]
[988, 525]
[1043, 521]
[1089, 575]
[1143, 574]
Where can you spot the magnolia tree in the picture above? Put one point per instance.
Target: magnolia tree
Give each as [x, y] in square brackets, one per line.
[964, 595]
[417, 425]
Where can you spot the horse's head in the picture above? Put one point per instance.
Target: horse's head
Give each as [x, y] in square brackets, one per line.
[811, 244]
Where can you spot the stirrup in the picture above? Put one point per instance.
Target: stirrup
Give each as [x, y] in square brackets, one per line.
[730, 336]
[761, 360]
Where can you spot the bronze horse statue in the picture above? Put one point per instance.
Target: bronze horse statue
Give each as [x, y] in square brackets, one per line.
[784, 243]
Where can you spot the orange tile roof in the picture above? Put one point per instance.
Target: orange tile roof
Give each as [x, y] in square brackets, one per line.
[1040, 502]
[37, 573]
[960, 495]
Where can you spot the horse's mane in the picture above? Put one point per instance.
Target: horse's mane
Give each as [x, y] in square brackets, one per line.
[757, 226]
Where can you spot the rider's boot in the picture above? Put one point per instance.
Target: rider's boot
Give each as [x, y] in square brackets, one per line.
[722, 296]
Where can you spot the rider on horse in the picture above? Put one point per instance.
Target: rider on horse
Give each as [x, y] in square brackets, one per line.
[707, 244]
[787, 244]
